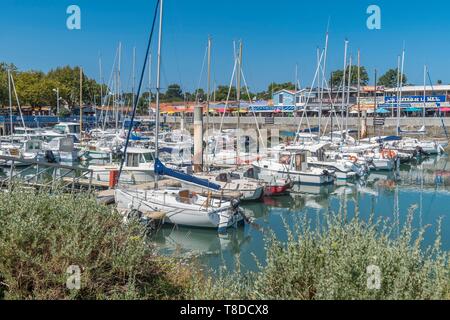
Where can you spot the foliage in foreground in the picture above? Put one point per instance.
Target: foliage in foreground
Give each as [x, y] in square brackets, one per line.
[41, 235]
[331, 262]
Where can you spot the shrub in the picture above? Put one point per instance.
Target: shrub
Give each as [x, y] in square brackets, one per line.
[330, 261]
[41, 235]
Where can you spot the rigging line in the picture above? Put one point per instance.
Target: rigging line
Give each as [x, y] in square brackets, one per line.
[18, 106]
[439, 113]
[107, 100]
[253, 111]
[304, 113]
[139, 89]
[226, 105]
[201, 75]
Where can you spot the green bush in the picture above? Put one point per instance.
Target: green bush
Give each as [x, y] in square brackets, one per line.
[41, 235]
[331, 261]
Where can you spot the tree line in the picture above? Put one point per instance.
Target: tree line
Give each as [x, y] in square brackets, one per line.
[36, 88]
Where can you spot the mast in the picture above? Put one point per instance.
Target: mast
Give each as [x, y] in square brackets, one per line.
[118, 86]
[158, 85]
[375, 104]
[81, 100]
[359, 95]
[398, 84]
[149, 84]
[238, 96]
[208, 90]
[348, 95]
[10, 105]
[134, 76]
[343, 79]
[208, 95]
[424, 93]
[399, 103]
[101, 87]
[323, 80]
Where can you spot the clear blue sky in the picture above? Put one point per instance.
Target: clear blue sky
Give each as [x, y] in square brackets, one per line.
[276, 36]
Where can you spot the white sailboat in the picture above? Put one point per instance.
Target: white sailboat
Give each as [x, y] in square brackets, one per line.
[179, 206]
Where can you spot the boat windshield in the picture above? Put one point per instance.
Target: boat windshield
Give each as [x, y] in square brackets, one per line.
[59, 128]
[148, 157]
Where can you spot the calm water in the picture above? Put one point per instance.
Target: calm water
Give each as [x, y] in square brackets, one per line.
[425, 185]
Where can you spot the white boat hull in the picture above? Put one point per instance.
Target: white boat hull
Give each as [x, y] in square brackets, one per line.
[177, 213]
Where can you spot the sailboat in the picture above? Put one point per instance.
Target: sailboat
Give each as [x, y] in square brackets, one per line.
[179, 206]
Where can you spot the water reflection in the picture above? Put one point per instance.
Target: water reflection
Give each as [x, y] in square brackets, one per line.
[424, 186]
[184, 241]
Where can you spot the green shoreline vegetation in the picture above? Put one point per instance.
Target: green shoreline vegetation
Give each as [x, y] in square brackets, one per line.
[42, 234]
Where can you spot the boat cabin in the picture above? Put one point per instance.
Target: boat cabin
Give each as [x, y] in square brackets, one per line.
[295, 160]
[67, 128]
[137, 156]
[227, 177]
[32, 145]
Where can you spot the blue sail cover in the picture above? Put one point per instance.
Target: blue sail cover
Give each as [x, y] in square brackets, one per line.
[162, 170]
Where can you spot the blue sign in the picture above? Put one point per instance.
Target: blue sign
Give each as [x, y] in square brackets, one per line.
[271, 109]
[415, 99]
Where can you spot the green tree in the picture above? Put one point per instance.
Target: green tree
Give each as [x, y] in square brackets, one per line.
[173, 93]
[199, 95]
[337, 76]
[389, 79]
[4, 94]
[35, 89]
[68, 81]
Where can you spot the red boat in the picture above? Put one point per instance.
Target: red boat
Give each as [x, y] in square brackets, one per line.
[278, 188]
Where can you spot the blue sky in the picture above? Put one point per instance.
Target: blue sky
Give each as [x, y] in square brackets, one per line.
[276, 35]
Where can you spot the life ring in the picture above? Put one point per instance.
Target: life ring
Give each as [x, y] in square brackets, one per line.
[388, 154]
[353, 159]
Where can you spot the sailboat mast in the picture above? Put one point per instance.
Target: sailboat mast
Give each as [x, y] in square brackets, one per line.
[208, 95]
[343, 78]
[398, 84]
[158, 85]
[238, 97]
[348, 94]
[399, 102]
[424, 94]
[118, 86]
[134, 77]
[81, 100]
[324, 78]
[10, 104]
[150, 84]
[359, 95]
[101, 88]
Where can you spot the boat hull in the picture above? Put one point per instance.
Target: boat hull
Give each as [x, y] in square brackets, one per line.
[179, 214]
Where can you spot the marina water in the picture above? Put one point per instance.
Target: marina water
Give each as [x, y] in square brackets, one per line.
[423, 186]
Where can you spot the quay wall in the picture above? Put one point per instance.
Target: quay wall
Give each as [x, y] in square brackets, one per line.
[433, 124]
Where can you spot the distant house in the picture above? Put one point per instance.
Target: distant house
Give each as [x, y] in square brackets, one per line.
[286, 97]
